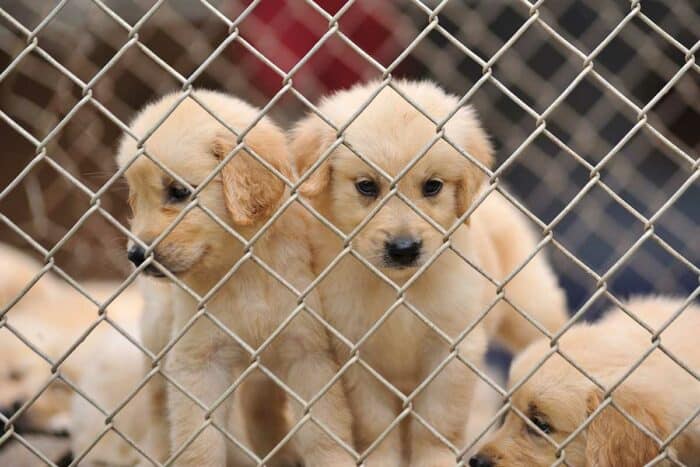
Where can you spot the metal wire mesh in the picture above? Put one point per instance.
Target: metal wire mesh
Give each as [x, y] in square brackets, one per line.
[592, 110]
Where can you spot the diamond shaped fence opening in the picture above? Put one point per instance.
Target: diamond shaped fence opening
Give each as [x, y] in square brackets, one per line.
[591, 110]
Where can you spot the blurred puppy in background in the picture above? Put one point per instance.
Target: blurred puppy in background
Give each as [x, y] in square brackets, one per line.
[51, 316]
[557, 399]
[398, 242]
[202, 252]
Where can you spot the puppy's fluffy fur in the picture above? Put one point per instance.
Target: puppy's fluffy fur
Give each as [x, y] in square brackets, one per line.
[659, 394]
[260, 416]
[206, 361]
[112, 374]
[391, 132]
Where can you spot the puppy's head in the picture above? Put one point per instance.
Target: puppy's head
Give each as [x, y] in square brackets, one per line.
[390, 132]
[191, 143]
[557, 399]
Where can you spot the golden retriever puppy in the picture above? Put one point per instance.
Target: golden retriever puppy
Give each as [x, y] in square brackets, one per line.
[242, 307]
[399, 243]
[558, 399]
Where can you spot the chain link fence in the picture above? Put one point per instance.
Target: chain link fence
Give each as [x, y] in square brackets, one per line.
[593, 110]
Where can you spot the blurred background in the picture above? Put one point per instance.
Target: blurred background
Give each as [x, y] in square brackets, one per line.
[42, 95]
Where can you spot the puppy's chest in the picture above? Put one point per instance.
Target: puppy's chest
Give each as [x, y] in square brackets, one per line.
[395, 350]
[252, 312]
[391, 347]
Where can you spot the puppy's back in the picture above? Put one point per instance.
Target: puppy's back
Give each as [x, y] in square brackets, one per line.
[678, 337]
[534, 289]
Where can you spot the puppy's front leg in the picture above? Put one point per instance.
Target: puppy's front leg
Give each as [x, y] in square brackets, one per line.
[309, 366]
[374, 409]
[445, 405]
[205, 367]
[156, 324]
[264, 409]
[157, 441]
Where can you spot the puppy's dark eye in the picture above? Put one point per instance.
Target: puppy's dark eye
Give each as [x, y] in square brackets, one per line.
[177, 193]
[367, 188]
[432, 187]
[541, 424]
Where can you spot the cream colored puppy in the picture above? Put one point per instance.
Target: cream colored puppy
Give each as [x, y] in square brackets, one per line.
[558, 399]
[451, 294]
[200, 251]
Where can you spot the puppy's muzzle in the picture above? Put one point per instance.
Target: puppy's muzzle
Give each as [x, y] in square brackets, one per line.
[137, 255]
[402, 251]
[481, 460]
[22, 424]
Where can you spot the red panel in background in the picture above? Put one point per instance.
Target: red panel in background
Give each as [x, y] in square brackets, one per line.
[284, 31]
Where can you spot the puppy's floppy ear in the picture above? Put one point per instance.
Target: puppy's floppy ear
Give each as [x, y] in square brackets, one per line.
[310, 138]
[251, 191]
[612, 440]
[467, 132]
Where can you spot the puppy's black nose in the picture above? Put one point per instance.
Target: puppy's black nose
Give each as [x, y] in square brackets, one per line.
[480, 460]
[9, 411]
[136, 255]
[403, 251]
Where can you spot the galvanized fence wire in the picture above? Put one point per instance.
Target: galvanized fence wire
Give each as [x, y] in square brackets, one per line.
[434, 12]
